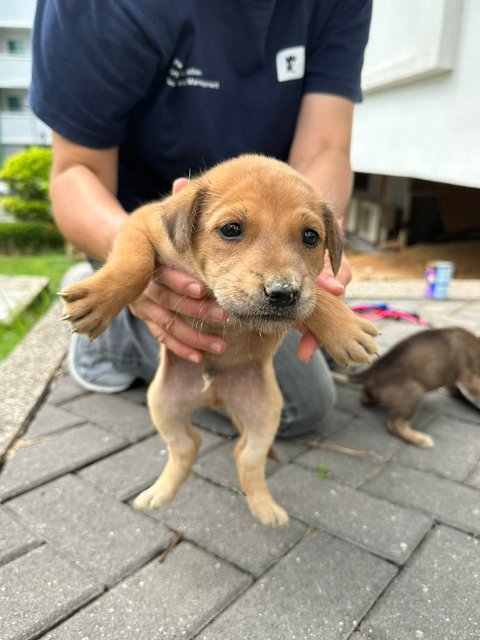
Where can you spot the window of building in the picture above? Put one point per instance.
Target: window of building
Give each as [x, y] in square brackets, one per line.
[14, 103]
[15, 47]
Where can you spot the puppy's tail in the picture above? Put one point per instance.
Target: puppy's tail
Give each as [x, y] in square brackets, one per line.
[357, 377]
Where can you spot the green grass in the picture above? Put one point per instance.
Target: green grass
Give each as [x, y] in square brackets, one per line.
[53, 265]
[322, 471]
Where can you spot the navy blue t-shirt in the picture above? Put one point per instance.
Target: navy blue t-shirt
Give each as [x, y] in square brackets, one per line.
[182, 85]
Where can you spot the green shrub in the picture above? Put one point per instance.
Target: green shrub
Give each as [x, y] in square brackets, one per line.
[29, 237]
[27, 175]
[33, 210]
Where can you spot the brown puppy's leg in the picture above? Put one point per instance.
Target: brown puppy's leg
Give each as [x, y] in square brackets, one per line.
[170, 413]
[402, 428]
[183, 443]
[404, 400]
[90, 305]
[346, 336]
[258, 420]
[471, 383]
[367, 398]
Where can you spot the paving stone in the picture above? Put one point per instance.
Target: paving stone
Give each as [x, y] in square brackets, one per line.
[64, 389]
[38, 590]
[50, 419]
[432, 308]
[437, 594]
[102, 535]
[387, 529]
[393, 332]
[448, 501]
[468, 323]
[351, 470]
[210, 440]
[220, 521]
[38, 462]
[219, 466]
[445, 404]
[27, 372]
[125, 419]
[163, 601]
[214, 421]
[129, 471]
[287, 449]
[456, 450]
[348, 401]
[320, 589]
[330, 424]
[135, 468]
[474, 478]
[367, 434]
[15, 539]
[18, 292]
[136, 394]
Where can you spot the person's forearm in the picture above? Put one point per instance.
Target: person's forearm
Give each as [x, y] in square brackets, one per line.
[330, 172]
[86, 212]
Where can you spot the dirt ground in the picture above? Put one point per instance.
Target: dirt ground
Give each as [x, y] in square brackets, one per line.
[410, 262]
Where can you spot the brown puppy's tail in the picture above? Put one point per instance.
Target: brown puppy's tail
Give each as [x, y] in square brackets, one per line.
[357, 377]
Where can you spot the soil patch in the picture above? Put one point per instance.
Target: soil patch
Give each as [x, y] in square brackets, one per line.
[409, 264]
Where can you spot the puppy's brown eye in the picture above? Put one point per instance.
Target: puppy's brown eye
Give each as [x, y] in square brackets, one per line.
[231, 231]
[310, 238]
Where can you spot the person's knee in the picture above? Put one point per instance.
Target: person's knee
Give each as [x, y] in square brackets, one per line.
[296, 421]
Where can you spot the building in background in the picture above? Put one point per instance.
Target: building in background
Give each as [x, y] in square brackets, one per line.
[19, 127]
[416, 137]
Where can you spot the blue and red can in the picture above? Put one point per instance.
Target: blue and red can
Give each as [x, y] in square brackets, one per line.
[437, 278]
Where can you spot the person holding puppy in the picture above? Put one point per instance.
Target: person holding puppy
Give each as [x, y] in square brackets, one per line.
[141, 95]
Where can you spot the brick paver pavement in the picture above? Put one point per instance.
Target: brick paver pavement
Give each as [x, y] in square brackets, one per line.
[383, 546]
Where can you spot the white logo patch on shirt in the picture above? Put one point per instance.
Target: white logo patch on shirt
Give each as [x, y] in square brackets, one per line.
[290, 64]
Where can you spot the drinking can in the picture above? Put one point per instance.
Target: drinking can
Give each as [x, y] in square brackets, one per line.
[437, 278]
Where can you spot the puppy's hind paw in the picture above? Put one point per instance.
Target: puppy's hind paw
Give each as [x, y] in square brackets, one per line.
[152, 498]
[268, 511]
[424, 440]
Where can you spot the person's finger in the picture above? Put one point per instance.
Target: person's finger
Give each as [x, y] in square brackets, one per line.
[179, 281]
[168, 325]
[331, 284]
[307, 347]
[179, 348]
[205, 309]
[335, 283]
[179, 184]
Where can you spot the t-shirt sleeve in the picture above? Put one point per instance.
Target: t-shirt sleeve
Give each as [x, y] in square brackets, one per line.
[336, 49]
[93, 61]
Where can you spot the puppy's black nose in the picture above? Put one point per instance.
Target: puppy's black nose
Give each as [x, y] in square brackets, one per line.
[282, 294]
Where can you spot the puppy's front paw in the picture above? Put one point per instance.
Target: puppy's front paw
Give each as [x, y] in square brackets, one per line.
[87, 309]
[351, 341]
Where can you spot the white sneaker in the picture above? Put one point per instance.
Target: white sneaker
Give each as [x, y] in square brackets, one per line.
[87, 365]
[92, 371]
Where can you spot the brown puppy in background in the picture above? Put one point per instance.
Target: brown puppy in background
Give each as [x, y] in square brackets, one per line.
[255, 232]
[423, 362]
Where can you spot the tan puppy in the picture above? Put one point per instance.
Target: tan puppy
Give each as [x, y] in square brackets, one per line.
[255, 232]
[423, 362]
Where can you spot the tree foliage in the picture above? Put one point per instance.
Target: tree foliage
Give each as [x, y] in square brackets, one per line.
[27, 175]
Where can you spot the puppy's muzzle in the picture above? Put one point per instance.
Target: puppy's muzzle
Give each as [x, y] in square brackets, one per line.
[281, 293]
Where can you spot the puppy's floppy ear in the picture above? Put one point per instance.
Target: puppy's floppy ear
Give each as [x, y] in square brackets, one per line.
[180, 214]
[333, 240]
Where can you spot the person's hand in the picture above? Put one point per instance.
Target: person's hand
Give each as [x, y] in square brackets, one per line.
[171, 292]
[334, 284]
